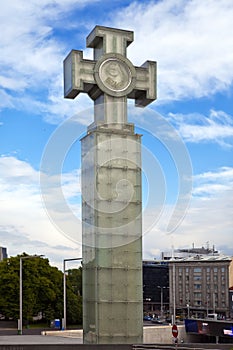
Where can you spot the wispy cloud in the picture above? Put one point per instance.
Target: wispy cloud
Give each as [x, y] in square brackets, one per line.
[209, 214]
[217, 127]
[214, 184]
[207, 220]
[32, 56]
[21, 205]
[187, 38]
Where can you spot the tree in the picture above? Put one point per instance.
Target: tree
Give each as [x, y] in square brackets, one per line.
[42, 289]
[42, 285]
[74, 296]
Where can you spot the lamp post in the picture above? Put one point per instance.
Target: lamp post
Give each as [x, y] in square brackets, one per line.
[188, 305]
[20, 321]
[207, 306]
[161, 299]
[64, 290]
[174, 292]
[188, 308]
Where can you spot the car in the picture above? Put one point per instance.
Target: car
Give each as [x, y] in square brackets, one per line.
[147, 318]
[157, 320]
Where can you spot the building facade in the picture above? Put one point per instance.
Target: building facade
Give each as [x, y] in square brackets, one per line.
[199, 285]
[155, 288]
[3, 253]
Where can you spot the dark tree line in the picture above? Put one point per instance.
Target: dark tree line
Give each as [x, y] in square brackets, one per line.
[42, 290]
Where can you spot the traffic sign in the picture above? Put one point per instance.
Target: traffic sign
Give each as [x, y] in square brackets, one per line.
[175, 331]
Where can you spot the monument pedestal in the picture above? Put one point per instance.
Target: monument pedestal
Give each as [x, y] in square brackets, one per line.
[112, 243]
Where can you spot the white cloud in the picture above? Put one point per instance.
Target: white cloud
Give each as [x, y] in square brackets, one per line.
[24, 222]
[217, 127]
[212, 184]
[205, 221]
[190, 39]
[32, 56]
[208, 218]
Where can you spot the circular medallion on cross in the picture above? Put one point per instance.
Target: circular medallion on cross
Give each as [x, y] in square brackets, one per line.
[115, 75]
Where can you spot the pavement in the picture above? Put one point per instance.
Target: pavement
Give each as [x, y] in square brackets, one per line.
[37, 339]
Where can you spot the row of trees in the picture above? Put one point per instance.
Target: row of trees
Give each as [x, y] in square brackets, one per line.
[42, 290]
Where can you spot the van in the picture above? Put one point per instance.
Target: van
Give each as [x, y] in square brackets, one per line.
[212, 316]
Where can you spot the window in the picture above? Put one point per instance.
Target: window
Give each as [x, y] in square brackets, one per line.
[197, 286]
[197, 269]
[197, 278]
[197, 295]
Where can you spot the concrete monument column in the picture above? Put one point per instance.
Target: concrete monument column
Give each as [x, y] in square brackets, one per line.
[111, 186]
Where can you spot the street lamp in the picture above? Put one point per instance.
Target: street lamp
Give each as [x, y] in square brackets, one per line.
[64, 290]
[188, 305]
[20, 321]
[188, 308]
[161, 299]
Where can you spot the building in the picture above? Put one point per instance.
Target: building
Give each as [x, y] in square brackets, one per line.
[199, 285]
[3, 253]
[231, 289]
[231, 302]
[155, 287]
[188, 252]
[231, 274]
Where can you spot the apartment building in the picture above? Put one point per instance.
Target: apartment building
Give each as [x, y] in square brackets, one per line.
[199, 285]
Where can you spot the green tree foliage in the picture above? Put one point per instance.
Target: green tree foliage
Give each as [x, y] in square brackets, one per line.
[42, 290]
[74, 296]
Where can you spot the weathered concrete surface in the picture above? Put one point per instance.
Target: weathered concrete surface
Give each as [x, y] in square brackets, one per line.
[162, 334]
[151, 334]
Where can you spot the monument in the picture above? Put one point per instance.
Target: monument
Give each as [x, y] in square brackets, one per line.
[111, 186]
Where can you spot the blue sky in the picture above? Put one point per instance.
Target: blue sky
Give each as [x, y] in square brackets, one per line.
[192, 42]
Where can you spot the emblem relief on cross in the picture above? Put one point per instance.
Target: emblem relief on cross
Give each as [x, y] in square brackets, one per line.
[115, 75]
[110, 78]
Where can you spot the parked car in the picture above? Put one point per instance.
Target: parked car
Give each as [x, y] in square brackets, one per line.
[157, 320]
[147, 318]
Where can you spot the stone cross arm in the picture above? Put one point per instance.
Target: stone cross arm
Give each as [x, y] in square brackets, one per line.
[144, 91]
[110, 73]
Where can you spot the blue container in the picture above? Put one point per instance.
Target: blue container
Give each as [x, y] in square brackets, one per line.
[57, 323]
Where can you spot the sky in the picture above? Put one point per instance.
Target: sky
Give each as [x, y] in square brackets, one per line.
[187, 143]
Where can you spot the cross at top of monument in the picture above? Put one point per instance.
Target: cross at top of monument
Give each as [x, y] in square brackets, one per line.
[110, 77]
